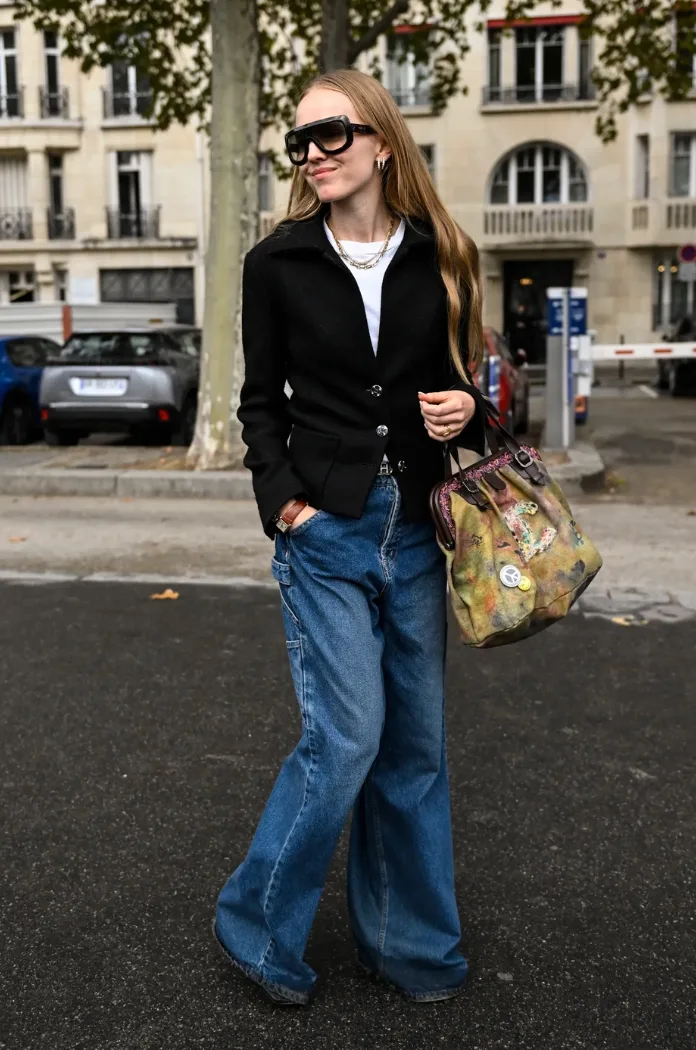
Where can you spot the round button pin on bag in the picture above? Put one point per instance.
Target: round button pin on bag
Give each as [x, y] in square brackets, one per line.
[510, 576]
[525, 583]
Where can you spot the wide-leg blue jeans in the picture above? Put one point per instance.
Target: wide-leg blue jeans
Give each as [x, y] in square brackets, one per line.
[364, 610]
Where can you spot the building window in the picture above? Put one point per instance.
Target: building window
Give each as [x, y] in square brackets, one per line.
[429, 158]
[22, 286]
[10, 95]
[52, 96]
[265, 182]
[642, 167]
[686, 59]
[683, 166]
[132, 213]
[407, 80]
[539, 63]
[131, 93]
[541, 173]
[585, 83]
[55, 182]
[674, 304]
[60, 283]
[494, 64]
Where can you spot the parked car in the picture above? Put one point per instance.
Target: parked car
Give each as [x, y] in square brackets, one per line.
[679, 375]
[504, 378]
[138, 381]
[22, 360]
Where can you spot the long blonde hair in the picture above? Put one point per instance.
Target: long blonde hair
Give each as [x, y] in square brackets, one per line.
[409, 190]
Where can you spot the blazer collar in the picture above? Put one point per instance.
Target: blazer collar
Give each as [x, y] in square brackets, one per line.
[310, 234]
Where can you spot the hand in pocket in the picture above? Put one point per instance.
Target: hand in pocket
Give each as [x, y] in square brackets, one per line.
[305, 514]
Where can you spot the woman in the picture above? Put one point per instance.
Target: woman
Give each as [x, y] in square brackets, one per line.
[366, 301]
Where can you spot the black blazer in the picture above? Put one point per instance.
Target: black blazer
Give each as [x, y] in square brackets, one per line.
[303, 321]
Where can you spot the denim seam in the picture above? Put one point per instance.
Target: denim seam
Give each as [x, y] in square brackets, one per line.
[291, 614]
[301, 998]
[382, 869]
[276, 866]
[387, 537]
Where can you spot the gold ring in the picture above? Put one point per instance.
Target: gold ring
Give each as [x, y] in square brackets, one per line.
[447, 428]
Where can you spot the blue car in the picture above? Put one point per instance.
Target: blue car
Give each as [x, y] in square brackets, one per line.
[22, 360]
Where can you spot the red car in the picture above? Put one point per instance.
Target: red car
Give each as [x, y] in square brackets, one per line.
[504, 379]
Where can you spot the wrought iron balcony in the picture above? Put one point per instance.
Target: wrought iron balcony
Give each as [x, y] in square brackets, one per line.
[54, 103]
[126, 103]
[12, 105]
[536, 93]
[61, 224]
[417, 96]
[143, 224]
[15, 224]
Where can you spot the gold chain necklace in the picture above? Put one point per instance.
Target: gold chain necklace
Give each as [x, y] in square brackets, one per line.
[370, 262]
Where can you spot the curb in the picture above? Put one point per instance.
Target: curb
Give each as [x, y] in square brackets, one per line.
[136, 484]
[583, 473]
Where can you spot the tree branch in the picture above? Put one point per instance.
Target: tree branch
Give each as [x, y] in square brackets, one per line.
[374, 32]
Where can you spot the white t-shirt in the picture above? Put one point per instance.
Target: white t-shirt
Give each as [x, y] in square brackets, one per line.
[370, 281]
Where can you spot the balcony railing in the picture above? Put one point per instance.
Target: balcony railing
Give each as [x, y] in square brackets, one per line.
[143, 224]
[61, 224]
[54, 103]
[511, 96]
[12, 105]
[417, 96]
[556, 222]
[681, 215]
[126, 103]
[15, 224]
[661, 223]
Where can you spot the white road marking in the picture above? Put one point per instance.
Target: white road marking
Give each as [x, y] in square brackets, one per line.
[648, 390]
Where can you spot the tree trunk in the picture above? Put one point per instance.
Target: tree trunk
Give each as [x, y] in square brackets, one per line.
[234, 135]
[333, 50]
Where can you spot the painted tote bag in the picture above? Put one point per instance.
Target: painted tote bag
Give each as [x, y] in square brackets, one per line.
[516, 558]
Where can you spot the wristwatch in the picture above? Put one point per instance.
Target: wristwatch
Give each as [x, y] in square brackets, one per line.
[284, 521]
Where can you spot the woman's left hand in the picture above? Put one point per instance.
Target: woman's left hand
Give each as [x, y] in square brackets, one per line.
[446, 412]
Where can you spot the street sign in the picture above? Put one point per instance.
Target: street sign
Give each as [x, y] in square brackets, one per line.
[554, 313]
[687, 253]
[577, 311]
[687, 271]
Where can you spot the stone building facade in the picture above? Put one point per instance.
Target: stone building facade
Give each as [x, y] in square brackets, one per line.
[95, 203]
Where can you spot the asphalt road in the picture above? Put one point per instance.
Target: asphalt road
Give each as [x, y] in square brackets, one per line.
[140, 739]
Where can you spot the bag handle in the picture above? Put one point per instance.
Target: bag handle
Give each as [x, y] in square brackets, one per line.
[499, 439]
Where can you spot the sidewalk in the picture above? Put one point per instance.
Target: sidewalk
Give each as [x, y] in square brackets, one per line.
[153, 473]
[114, 470]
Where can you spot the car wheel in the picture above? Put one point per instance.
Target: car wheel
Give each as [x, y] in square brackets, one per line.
[62, 437]
[663, 371]
[183, 435]
[17, 423]
[674, 381]
[523, 424]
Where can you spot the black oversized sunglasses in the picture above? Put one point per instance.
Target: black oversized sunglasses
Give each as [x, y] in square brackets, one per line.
[331, 135]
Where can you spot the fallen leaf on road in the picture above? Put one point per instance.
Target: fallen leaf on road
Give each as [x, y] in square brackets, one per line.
[168, 594]
[629, 621]
[17, 539]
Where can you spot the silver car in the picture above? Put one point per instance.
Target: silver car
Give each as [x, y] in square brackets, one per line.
[138, 381]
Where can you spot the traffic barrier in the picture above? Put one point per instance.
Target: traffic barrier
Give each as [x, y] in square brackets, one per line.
[641, 351]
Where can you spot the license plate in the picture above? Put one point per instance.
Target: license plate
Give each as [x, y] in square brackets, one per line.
[103, 387]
